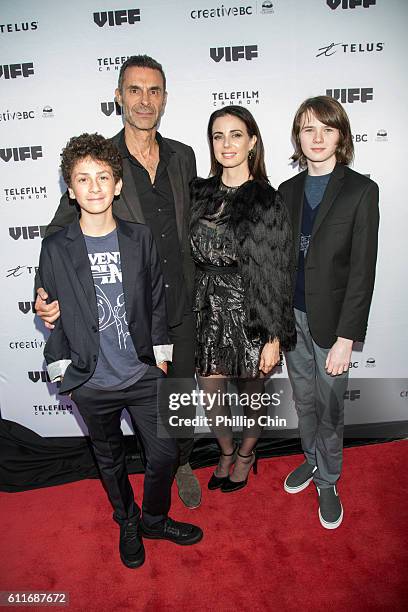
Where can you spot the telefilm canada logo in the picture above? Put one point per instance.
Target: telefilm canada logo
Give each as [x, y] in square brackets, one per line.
[234, 54]
[24, 193]
[350, 4]
[244, 97]
[351, 95]
[108, 64]
[22, 26]
[14, 71]
[28, 232]
[110, 108]
[52, 409]
[117, 17]
[21, 154]
[366, 47]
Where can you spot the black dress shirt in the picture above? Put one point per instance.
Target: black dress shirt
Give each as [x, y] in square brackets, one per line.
[157, 203]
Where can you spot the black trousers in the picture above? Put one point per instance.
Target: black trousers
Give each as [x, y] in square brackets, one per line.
[101, 411]
[183, 338]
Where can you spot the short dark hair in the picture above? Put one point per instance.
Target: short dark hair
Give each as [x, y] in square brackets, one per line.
[140, 61]
[331, 113]
[256, 162]
[94, 146]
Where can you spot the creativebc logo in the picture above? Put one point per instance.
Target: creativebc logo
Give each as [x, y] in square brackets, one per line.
[234, 54]
[223, 11]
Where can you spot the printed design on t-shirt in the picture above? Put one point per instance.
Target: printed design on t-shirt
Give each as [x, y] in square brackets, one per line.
[304, 243]
[106, 270]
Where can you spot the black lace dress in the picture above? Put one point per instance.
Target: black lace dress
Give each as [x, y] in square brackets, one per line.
[223, 346]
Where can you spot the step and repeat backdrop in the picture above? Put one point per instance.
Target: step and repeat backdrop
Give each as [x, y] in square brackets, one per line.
[59, 66]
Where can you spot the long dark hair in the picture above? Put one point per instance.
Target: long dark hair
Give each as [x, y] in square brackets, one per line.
[256, 162]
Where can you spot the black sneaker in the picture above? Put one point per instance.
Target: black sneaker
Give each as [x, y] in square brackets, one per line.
[179, 533]
[330, 508]
[300, 478]
[131, 546]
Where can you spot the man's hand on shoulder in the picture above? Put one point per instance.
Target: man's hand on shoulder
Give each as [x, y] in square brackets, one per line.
[338, 359]
[47, 312]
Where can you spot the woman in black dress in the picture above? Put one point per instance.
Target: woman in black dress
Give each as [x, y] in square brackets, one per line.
[241, 244]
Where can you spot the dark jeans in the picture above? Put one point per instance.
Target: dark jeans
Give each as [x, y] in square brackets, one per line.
[183, 366]
[101, 411]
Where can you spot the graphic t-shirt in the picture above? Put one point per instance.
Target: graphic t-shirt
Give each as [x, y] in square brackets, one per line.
[315, 186]
[118, 365]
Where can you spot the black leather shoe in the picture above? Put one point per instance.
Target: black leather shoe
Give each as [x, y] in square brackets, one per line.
[216, 482]
[229, 485]
[179, 533]
[131, 547]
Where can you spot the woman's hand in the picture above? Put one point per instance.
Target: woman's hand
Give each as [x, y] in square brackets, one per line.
[270, 356]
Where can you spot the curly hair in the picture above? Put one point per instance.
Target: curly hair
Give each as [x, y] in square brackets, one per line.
[94, 146]
[331, 113]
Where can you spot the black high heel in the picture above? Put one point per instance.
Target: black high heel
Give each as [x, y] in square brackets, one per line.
[228, 486]
[216, 482]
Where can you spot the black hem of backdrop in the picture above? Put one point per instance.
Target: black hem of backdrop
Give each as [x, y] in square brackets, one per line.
[29, 461]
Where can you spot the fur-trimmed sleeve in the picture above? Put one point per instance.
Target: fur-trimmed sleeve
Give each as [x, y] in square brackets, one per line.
[267, 265]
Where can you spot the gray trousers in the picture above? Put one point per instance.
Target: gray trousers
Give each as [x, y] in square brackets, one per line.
[319, 401]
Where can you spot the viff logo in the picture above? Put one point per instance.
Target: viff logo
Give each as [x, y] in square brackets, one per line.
[12, 71]
[116, 18]
[27, 232]
[346, 4]
[354, 94]
[26, 307]
[234, 54]
[35, 376]
[21, 153]
[108, 108]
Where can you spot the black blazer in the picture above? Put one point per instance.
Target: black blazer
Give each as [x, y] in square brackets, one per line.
[181, 170]
[341, 258]
[66, 274]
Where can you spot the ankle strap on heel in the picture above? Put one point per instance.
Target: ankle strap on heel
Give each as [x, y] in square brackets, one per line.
[233, 452]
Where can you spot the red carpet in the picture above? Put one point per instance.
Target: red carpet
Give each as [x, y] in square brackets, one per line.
[262, 550]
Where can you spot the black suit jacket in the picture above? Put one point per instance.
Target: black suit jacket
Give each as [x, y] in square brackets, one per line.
[66, 274]
[341, 258]
[181, 170]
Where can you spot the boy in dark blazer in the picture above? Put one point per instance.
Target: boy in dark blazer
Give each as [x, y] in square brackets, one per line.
[334, 213]
[110, 345]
